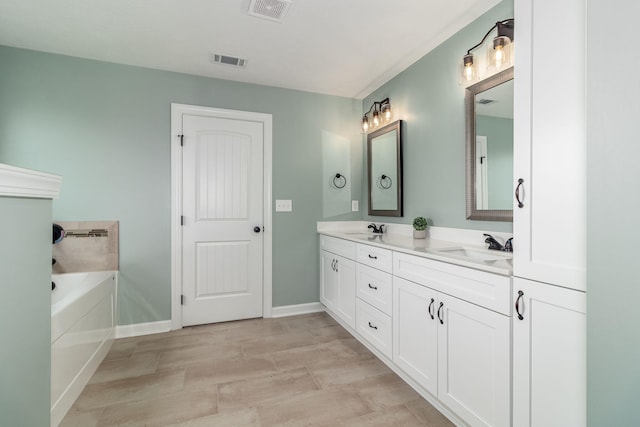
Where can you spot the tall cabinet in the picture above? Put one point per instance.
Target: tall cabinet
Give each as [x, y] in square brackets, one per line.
[549, 263]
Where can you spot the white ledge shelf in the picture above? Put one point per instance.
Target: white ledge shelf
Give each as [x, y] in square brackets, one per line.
[19, 182]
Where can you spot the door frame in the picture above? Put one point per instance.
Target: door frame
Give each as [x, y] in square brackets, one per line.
[177, 111]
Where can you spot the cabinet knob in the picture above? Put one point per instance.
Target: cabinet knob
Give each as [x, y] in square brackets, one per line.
[257, 229]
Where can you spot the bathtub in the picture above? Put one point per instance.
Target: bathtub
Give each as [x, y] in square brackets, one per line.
[82, 331]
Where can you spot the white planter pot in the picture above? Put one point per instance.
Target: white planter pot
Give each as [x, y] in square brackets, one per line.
[419, 234]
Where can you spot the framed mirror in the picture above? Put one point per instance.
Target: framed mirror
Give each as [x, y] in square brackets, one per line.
[384, 161]
[489, 148]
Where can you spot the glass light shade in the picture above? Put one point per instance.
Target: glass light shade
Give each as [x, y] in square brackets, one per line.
[376, 118]
[499, 53]
[386, 112]
[365, 123]
[468, 69]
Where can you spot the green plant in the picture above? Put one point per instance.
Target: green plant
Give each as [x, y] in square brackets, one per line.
[420, 223]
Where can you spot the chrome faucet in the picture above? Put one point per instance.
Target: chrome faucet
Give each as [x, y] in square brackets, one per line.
[376, 229]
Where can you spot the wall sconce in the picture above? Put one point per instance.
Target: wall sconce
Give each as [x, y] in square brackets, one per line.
[381, 114]
[499, 54]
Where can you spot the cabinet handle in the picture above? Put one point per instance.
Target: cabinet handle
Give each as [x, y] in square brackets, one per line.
[520, 182]
[375, 288]
[333, 264]
[373, 257]
[440, 314]
[520, 295]
[373, 326]
[337, 265]
[431, 308]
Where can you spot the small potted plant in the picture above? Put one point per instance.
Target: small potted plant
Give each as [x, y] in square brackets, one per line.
[420, 227]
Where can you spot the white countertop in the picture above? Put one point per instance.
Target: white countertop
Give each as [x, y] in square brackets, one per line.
[428, 248]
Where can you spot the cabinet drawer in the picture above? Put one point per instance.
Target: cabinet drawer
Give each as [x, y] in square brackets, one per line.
[375, 257]
[485, 289]
[374, 287]
[337, 246]
[374, 326]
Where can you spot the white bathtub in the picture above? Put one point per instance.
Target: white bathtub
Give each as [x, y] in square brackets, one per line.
[83, 307]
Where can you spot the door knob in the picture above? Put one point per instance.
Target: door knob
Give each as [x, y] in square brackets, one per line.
[257, 229]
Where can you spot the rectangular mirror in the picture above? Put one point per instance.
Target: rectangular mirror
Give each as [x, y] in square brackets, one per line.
[489, 148]
[384, 159]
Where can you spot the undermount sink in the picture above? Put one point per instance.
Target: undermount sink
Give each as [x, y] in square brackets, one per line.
[473, 254]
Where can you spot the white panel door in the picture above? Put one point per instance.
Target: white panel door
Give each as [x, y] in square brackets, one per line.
[550, 143]
[549, 356]
[415, 332]
[474, 370]
[222, 204]
[346, 271]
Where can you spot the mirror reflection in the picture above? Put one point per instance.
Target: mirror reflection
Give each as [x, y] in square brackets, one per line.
[385, 170]
[489, 109]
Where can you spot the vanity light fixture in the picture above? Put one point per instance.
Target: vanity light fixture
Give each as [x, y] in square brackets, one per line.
[380, 113]
[499, 53]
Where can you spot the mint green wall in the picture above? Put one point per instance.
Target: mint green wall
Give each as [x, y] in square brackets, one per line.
[431, 103]
[106, 129]
[613, 206]
[25, 312]
[499, 133]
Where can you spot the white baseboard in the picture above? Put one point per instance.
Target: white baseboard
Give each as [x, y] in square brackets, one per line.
[138, 329]
[293, 310]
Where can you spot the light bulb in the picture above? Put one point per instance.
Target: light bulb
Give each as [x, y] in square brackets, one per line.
[499, 55]
[376, 119]
[468, 69]
[365, 124]
[386, 112]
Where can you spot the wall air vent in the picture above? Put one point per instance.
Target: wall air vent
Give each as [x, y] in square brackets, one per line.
[485, 101]
[273, 10]
[231, 61]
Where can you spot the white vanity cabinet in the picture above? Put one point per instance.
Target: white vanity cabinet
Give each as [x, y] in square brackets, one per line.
[338, 278]
[549, 219]
[549, 355]
[458, 351]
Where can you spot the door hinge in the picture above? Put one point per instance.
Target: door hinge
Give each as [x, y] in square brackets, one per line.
[181, 299]
[181, 219]
[181, 140]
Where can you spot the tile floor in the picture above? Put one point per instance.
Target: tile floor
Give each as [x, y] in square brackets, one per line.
[293, 371]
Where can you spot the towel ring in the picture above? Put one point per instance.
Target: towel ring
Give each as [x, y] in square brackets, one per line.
[339, 181]
[382, 182]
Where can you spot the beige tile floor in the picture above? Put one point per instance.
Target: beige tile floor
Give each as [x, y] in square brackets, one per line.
[293, 371]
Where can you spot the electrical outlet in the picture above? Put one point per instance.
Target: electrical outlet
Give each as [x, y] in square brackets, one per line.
[355, 206]
[284, 206]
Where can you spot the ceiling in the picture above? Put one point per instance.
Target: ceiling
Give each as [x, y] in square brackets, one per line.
[346, 48]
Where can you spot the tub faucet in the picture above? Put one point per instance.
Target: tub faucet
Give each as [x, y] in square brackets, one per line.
[493, 243]
[376, 229]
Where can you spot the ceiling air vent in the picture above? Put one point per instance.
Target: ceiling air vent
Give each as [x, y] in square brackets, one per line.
[485, 101]
[232, 61]
[273, 10]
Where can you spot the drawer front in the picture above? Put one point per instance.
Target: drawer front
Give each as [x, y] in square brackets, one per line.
[374, 287]
[374, 326]
[478, 287]
[375, 257]
[337, 246]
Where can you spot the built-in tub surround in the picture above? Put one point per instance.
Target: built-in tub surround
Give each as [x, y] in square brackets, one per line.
[442, 244]
[82, 331]
[88, 246]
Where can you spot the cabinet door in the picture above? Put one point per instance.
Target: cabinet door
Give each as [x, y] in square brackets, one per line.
[328, 280]
[550, 143]
[346, 274]
[415, 332]
[474, 362]
[549, 356]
